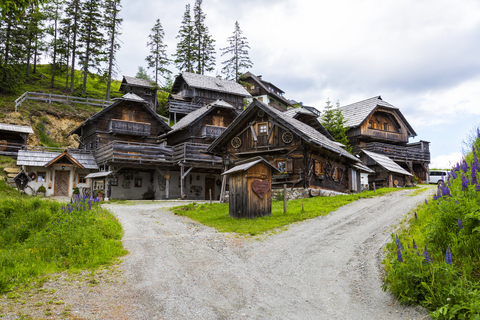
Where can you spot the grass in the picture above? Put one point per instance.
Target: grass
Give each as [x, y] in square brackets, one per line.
[38, 237]
[216, 215]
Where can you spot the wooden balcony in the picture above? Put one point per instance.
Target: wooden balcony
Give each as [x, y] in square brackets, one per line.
[10, 148]
[129, 127]
[212, 132]
[194, 154]
[182, 107]
[398, 153]
[133, 152]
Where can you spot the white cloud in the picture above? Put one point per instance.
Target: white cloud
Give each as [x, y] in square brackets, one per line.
[446, 161]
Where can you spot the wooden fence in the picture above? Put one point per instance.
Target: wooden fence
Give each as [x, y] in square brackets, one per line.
[48, 97]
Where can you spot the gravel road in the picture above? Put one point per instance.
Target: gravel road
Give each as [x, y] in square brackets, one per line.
[325, 268]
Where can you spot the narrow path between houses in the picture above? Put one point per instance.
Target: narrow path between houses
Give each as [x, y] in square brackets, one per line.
[324, 268]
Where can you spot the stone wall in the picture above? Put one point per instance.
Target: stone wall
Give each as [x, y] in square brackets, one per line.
[299, 193]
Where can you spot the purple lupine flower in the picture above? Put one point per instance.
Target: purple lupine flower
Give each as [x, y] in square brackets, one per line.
[414, 244]
[460, 224]
[464, 183]
[426, 202]
[425, 254]
[449, 256]
[89, 205]
[464, 166]
[456, 201]
[71, 201]
[399, 244]
[454, 175]
[399, 255]
[477, 187]
[69, 209]
[474, 176]
[416, 217]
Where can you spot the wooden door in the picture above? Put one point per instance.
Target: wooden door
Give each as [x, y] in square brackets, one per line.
[62, 182]
[209, 185]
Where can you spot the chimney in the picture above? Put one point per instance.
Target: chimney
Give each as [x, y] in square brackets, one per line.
[259, 77]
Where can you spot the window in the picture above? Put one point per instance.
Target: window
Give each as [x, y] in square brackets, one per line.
[41, 176]
[114, 181]
[318, 168]
[82, 178]
[385, 126]
[218, 121]
[338, 174]
[281, 165]
[128, 115]
[98, 185]
[138, 182]
[262, 128]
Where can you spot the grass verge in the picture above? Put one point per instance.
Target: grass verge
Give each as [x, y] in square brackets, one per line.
[216, 215]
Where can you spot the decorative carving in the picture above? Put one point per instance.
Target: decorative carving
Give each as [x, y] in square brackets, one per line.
[261, 187]
[260, 113]
[236, 142]
[287, 137]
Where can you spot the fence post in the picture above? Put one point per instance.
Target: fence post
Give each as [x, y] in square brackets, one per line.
[284, 198]
[50, 98]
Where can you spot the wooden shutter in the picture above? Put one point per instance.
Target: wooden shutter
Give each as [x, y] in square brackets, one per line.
[289, 166]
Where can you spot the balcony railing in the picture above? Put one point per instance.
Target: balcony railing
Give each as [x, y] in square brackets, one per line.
[398, 153]
[133, 152]
[129, 127]
[212, 132]
[194, 154]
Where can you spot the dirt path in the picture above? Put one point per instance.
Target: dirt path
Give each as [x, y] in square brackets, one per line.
[325, 268]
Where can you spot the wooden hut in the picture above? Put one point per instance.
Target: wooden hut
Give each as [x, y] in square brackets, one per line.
[145, 89]
[13, 138]
[387, 172]
[250, 189]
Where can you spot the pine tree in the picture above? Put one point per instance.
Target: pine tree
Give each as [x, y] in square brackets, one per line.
[91, 39]
[142, 74]
[204, 44]
[53, 11]
[158, 59]
[73, 14]
[333, 121]
[185, 50]
[65, 39]
[32, 24]
[238, 48]
[112, 25]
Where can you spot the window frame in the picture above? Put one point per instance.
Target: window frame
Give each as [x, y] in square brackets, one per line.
[44, 173]
[84, 178]
[98, 185]
[259, 128]
[137, 182]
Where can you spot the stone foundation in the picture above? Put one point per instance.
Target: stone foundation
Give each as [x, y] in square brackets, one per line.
[297, 193]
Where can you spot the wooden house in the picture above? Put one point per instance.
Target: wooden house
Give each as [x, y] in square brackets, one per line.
[192, 91]
[377, 126]
[265, 92]
[387, 173]
[123, 137]
[145, 89]
[304, 156]
[310, 118]
[58, 171]
[189, 139]
[250, 188]
[13, 138]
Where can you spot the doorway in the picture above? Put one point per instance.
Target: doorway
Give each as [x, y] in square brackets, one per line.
[209, 185]
[62, 181]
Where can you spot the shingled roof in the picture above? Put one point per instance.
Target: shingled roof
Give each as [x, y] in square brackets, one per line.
[356, 113]
[211, 83]
[297, 112]
[42, 158]
[264, 84]
[136, 82]
[306, 132]
[386, 163]
[15, 128]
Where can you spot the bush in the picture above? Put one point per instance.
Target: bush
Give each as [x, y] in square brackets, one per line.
[76, 191]
[42, 189]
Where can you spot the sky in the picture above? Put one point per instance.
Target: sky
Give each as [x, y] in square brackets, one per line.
[420, 56]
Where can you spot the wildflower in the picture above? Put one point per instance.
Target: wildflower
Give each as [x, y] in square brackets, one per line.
[399, 244]
[414, 244]
[474, 176]
[464, 183]
[449, 256]
[89, 205]
[426, 202]
[477, 187]
[464, 166]
[69, 209]
[456, 201]
[416, 217]
[399, 255]
[425, 254]
[454, 175]
[460, 224]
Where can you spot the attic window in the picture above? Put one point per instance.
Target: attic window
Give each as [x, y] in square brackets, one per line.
[262, 128]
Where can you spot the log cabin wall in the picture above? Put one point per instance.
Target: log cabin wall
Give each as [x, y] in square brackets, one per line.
[208, 96]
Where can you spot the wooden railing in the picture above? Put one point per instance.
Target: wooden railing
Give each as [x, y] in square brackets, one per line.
[10, 148]
[54, 149]
[182, 107]
[194, 153]
[48, 97]
[129, 127]
[133, 152]
[212, 132]
[398, 153]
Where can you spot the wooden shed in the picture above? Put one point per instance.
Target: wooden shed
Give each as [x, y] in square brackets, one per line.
[250, 189]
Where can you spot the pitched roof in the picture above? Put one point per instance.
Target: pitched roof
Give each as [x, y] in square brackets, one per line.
[356, 113]
[297, 112]
[306, 132]
[42, 158]
[248, 165]
[212, 83]
[386, 163]
[197, 114]
[126, 97]
[100, 174]
[132, 81]
[15, 128]
[362, 167]
[131, 97]
[264, 84]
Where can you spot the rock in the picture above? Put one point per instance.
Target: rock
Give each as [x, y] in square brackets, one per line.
[12, 170]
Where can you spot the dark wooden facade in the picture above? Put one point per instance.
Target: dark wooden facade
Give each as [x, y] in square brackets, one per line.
[304, 157]
[13, 138]
[265, 91]
[145, 89]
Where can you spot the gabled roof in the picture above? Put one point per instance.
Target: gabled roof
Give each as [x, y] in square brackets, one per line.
[210, 83]
[66, 155]
[386, 163]
[363, 168]
[306, 132]
[42, 158]
[131, 97]
[136, 82]
[356, 113]
[248, 165]
[264, 84]
[126, 97]
[15, 128]
[296, 113]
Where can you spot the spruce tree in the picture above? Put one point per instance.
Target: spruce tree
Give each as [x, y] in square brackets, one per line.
[112, 26]
[65, 39]
[53, 14]
[91, 39]
[73, 14]
[33, 31]
[204, 44]
[185, 50]
[333, 121]
[142, 74]
[238, 48]
[157, 59]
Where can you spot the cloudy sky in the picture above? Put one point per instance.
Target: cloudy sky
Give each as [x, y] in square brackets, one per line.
[421, 56]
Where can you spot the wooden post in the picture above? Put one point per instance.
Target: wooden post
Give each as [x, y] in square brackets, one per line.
[182, 169]
[374, 190]
[167, 184]
[210, 191]
[284, 198]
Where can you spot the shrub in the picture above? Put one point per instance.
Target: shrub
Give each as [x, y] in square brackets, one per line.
[42, 189]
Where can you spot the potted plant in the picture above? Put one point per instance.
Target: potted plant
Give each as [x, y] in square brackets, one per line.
[100, 193]
[41, 191]
[76, 193]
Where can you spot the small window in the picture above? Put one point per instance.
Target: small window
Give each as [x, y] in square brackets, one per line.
[281, 165]
[98, 185]
[218, 121]
[318, 168]
[41, 176]
[114, 181]
[82, 178]
[138, 182]
[262, 128]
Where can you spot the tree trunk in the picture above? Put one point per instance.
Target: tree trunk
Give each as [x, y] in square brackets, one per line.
[54, 51]
[74, 48]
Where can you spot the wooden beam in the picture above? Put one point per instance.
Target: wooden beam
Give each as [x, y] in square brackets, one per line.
[188, 171]
[271, 131]
[253, 133]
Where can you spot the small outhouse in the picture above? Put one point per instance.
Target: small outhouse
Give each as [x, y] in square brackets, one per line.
[250, 184]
